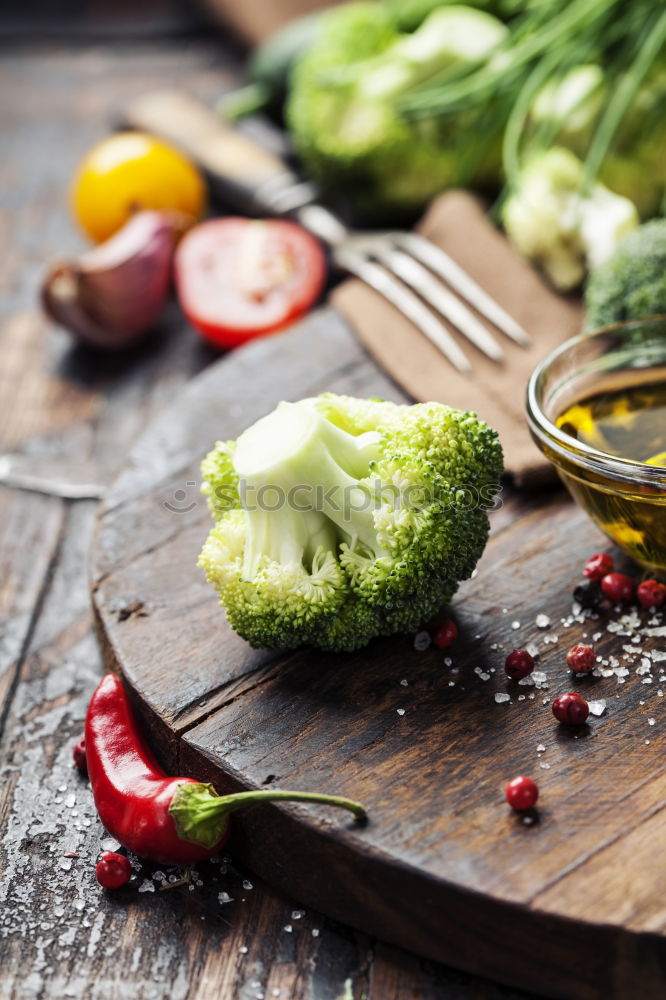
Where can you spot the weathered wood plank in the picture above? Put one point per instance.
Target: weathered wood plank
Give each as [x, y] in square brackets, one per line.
[30, 529]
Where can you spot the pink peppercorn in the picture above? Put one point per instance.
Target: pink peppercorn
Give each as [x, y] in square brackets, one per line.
[571, 708]
[79, 754]
[651, 594]
[445, 635]
[521, 793]
[581, 659]
[598, 565]
[113, 870]
[518, 664]
[618, 588]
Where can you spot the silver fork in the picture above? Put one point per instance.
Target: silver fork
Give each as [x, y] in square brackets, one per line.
[417, 277]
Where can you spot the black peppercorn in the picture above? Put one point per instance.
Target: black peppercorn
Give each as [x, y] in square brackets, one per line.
[588, 594]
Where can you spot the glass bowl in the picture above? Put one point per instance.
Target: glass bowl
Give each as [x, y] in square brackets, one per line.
[627, 499]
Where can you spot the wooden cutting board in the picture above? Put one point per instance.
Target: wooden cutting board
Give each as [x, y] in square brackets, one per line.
[573, 904]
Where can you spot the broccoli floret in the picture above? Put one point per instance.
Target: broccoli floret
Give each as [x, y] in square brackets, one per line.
[339, 519]
[563, 231]
[567, 110]
[343, 116]
[632, 283]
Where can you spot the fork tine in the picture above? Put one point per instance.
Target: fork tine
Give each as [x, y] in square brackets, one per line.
[440, 262]
[438, 296]
[409, 304]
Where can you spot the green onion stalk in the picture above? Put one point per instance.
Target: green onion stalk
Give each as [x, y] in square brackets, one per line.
[547, 40]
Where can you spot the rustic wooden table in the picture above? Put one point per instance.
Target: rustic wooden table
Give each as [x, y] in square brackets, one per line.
[61, 935]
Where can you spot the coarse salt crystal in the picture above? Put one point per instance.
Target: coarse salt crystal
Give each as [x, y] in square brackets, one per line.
[540, 748]
[421, 641]
[546, 767]
[243, 949]
[515, 626]
[147, 886]
[404, 682]
[597, 707]
[501, 697]
[542, 621]
[400, 711]
[650, 721]
[224, 897]
[288, 928]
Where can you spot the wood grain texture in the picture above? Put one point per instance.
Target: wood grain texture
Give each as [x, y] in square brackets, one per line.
[443, 868]
[60, 936]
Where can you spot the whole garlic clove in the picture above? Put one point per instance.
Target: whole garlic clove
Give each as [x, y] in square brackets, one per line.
[114, 293]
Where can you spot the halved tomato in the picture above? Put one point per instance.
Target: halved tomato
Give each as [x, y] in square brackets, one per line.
[242, 278]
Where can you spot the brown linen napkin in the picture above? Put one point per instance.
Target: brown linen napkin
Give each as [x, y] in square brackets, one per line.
[457, 222]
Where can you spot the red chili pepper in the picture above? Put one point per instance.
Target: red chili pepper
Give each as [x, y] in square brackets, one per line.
[169, 820]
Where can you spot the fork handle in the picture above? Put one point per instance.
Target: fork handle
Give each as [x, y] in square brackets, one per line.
[238, 170]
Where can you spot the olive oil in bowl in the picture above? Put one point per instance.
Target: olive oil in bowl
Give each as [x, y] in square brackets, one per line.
[596, 407]
[626, 423]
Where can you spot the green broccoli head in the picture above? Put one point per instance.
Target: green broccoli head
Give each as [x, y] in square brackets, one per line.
[339, 519]
[632, 283]
[343, 116]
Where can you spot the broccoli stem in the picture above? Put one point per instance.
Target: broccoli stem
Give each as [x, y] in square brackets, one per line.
[299, 485]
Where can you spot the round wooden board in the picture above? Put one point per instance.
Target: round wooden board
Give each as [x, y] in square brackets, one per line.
[571, 905]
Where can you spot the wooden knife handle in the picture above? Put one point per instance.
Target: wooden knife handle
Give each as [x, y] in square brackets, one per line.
[239, 171]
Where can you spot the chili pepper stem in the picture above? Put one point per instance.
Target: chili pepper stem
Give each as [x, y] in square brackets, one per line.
[202, 816]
